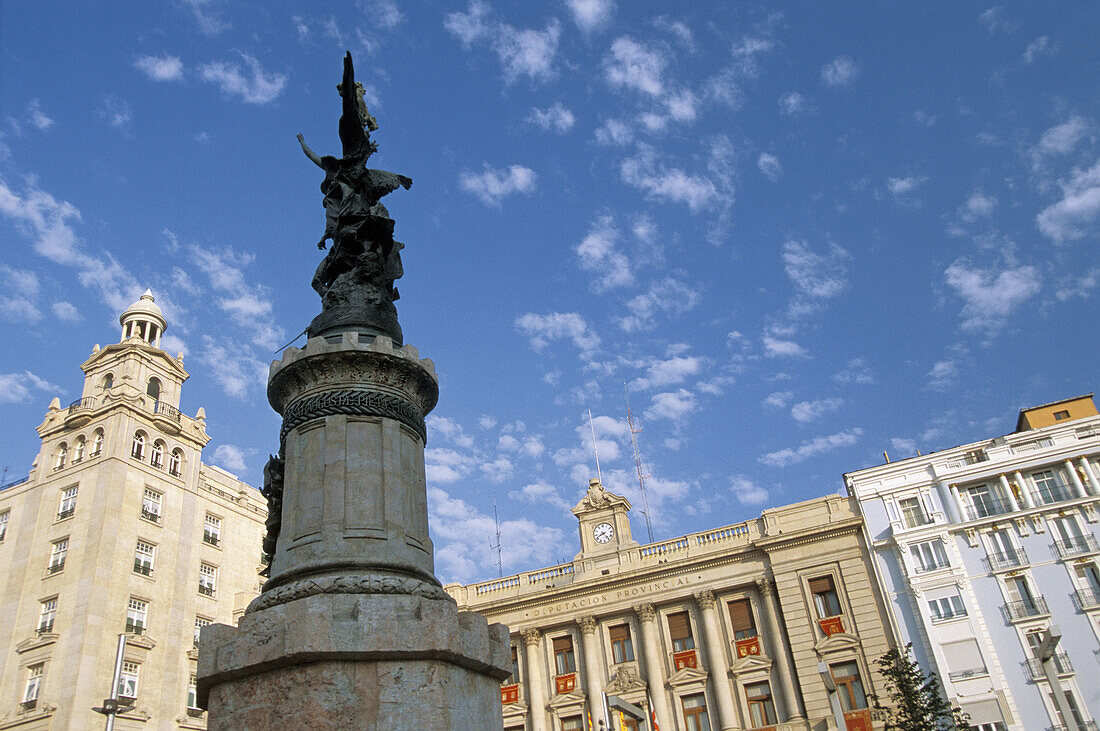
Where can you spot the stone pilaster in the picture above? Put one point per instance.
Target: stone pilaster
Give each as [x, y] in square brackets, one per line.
[780, 648]
[593, 672]
[716, 660]
[655, 664]
[536, 677]
[352, 628]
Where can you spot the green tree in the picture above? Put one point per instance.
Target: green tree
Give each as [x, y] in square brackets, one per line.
[916, 702]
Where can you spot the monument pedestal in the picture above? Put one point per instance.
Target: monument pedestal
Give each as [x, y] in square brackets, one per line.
[352, 629]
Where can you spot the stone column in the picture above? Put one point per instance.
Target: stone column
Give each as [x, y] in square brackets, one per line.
[352, 629]
[655, 664]
[593, 674]
[1022, 484]
[1008, 493]
[536, 677]
[781, 651]
[716, 660]
[959, 509]
[1075, 478]
[1090, 474]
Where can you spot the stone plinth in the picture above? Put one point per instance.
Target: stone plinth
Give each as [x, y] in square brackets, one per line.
[352, 629]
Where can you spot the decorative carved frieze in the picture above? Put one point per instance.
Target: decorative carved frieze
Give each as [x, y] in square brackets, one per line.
[368, 583]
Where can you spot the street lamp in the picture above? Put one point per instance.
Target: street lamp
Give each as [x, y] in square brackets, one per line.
[1048, 646]
[834, 699]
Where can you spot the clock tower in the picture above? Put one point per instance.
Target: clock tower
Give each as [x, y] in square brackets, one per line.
[604, 525]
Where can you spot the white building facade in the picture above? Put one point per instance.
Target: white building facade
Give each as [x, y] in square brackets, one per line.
[120, 529]
[984, 548]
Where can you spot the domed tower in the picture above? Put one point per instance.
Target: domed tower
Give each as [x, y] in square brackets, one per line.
[144, 320]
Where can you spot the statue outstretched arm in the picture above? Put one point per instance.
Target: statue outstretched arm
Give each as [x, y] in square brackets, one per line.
[310, 153]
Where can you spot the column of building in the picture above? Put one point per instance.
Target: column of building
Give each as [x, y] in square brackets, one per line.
[781, 651]
[1024, 492]
[655, 663]
[536, 677]
[1090, 475]
[593, 676]
[1007, 488]
[716, 659]
[1075, 478]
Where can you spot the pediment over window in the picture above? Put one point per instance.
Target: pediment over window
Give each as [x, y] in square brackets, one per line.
[688, 676]
[33, 643]
[836, 643]
[565, 703]
[751, 663]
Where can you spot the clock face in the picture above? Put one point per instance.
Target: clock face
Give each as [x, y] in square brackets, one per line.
[603, 532]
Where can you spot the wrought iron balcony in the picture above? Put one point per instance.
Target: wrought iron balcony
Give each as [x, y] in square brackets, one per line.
[66, 513]
[56, 567]
[965, 674]
[134, 628]
[1061, 662]
[1086, 599]
[168, 410]
[149, 514]
[82, 404]
[985, 508]
[1015, 611]
[1007, 560]
[44, 629]
[143, 568]
[1059, 494]
[923, 567]
[211, 538]
[195, 713]
[1077, 546]
[1083, 725]
[28, 705]
[206, 590]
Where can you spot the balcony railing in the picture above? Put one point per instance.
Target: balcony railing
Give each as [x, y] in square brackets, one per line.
[82, 404]
[965, 674]
[1083, 725]
[1007, 560]
[1061, 665]
[149, 514]
[28, 705]
[44, 629]
[56, 567]
[167, 410]
[143, 568]
[987, 507]
[1077, 546]
[1086, 599]
[195, 713]
[211, 538]
[133, 628]
[924, 567]
[1015, 611]
[206, 590]
[1058, 494]
[66, 513]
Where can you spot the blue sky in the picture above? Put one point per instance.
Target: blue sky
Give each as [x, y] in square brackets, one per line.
[790, 235]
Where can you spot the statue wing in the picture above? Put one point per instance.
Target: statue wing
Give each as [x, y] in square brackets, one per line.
[383, 182]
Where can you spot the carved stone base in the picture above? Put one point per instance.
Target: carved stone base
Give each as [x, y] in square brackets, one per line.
[346, 661]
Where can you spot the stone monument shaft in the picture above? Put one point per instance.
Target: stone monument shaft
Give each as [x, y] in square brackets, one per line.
[352, 630]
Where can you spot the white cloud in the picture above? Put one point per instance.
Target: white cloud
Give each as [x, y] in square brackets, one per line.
[676, 28]
[66, 312]
[645, 172]
[995, 21]
[486, 422]
[1078, 286]
[614, 132]
[16, 388]
[557, 118]
[745, 53]
[793, 104]
[231, 457]
[681, 105]
[491, 185]
[769, 165]
[668, 295]
[943, 375]
[812, 448]
[37, 117]
[817, 275]
[806, 411]
[900, 188]
[384, 14]
[173, 344]
[116, 111]
[234, 367]
[255, 86]
[746, 491]
[1061, 139]
[19, 309]
[990, 296]
[673, 405]
[599, 253]
[591, 15]
[1041, 46]
[841, 71]
[924, 118]
[857, 371]
[249, 305]
[521, 52]
[210, 23]
[778, 399]
[541, 330]
[668, 372]
[20, 281]
[449, 431]
[978, 205]
[444, 466]
[635, 66]
[1072, 217]
[470, 26]
[541, 492]
[903, 447]
[160, 68]
[778, 348]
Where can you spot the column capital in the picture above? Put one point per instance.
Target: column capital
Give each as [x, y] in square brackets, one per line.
[765, 586]
[587, 624]
[706, 599]
[646, 612]
[531, 636]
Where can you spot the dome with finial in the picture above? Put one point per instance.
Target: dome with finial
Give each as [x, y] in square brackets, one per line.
[144, 320]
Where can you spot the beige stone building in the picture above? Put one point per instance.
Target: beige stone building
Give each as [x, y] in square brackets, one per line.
[120, 529]
[771, 623]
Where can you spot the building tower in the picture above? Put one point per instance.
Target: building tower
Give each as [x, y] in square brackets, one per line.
[120, 529]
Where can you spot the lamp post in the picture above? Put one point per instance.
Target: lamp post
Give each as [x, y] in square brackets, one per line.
[834, 698]
[110, 707]
[1048, 646]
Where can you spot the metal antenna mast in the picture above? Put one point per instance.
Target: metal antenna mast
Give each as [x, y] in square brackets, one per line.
[594, 450]
[634, 431]
[496, 521]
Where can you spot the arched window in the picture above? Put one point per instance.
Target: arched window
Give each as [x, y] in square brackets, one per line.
[78, 450]
[97, 443]
[62, 455]
[156, 454]
[108, 380]
[175, 463]
[137, 451]
[153, 389]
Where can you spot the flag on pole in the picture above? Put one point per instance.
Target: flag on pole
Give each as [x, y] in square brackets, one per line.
[588, 713]
[652, 713]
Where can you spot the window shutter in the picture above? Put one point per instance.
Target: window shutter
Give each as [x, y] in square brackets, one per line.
[563, 644]
[678, 626]
[822, 584]
[741, 615]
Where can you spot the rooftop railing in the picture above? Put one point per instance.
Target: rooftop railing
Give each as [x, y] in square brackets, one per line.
[168, 410]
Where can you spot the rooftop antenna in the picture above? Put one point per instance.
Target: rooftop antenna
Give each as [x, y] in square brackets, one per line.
[638, 463]
[594, 450]
[492, 547]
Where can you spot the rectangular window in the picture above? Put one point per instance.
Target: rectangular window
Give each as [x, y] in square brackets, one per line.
[947, 607]
[963, 658]
[200, 622]
[695, 713]
[150, 505]
[1049, 486]
[137, 614]
[912, 513]
[826, 600]
[513, 677]
[986, 501]
[564, 659]
[622, 649]
[67, 506]
[928, 556]
[573, 723]
[4, 524]
[46, 616]
[744, 624]
[143, 558]
[679, 631]
[34, 684]
[1020, 591]
[58, 551]
[761, 707]
[849, 686]
[1061, 415]
[192, 694]
[128, 680]
[212, 529]
[1074, 710]
[208, 579]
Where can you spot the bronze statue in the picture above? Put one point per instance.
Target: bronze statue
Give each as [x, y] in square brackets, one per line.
[355, 279]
